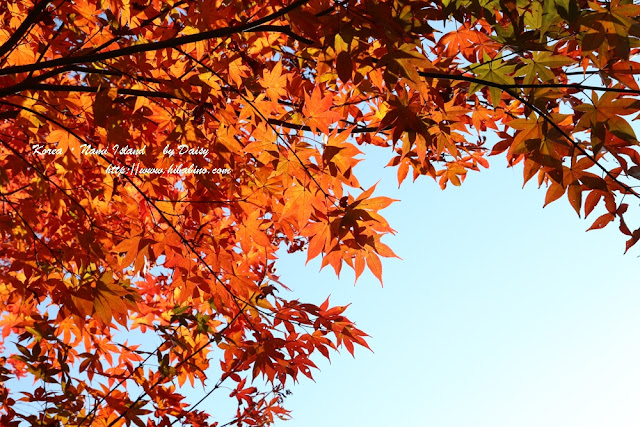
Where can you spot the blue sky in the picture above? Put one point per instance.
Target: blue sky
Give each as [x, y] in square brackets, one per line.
[500, 313]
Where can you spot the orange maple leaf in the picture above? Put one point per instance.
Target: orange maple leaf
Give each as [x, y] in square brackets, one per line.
[274, 82]
[317, 110]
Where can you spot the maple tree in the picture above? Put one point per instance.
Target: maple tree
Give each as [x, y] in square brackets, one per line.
[156, 155]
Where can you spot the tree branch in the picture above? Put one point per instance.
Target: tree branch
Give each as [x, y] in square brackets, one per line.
[508, 89]
[470, 79]
[95, 89]
[367, 129]
[577, 86]
[284, 29]
[254, 26]
[164, 95]
[24, 27]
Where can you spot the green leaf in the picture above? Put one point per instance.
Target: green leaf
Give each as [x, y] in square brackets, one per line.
[493, 71]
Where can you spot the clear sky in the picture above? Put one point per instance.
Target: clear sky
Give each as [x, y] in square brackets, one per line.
[500, 314]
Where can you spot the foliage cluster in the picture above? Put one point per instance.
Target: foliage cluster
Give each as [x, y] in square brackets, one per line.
[282, 94]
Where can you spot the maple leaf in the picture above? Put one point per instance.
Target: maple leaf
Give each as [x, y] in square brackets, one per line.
[494, 71]
[605, 111]
[65, 141]
[274, 82]
[317, 110]
[540, 66]
[299, 204]
[464, 41]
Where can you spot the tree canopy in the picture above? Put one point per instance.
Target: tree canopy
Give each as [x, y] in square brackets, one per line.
[156, 157]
